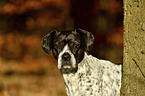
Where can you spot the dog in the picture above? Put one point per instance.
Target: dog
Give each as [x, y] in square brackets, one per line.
[83, 74]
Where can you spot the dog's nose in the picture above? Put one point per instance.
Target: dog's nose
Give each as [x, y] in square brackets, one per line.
[66, 56]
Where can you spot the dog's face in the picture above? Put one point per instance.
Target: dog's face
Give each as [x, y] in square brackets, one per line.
[68, 48]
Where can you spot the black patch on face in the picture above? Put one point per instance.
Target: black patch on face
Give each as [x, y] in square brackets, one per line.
[73, 40]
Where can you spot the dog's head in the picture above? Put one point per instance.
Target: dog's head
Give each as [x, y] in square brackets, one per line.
[68, 47]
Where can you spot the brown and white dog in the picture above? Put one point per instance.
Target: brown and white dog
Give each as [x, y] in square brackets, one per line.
[84, 75]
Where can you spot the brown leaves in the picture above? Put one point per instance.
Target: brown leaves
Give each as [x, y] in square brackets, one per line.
[10, 47]
[116, 37]
[22, 6]
[32, 14]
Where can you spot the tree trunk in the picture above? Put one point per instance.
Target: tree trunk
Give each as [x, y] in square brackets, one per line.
[133, 82]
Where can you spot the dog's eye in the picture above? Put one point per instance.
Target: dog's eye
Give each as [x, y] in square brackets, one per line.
[58, 45]
[76, 46]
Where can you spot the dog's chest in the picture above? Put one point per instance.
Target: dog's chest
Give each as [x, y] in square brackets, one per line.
[80, 82]
[93, 79]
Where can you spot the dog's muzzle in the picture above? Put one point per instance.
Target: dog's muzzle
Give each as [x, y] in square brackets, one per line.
[67, 61]
[67, 65]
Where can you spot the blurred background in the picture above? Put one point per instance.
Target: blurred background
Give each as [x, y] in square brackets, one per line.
[25, 69]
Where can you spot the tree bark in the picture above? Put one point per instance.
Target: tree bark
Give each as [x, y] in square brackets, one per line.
[133, 82]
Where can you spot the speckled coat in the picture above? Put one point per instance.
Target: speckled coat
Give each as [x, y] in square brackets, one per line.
[94, 77]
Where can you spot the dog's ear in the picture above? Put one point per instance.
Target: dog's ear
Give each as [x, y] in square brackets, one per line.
[87, 37]
[47, 40]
